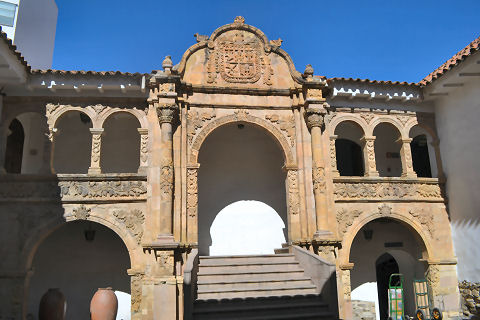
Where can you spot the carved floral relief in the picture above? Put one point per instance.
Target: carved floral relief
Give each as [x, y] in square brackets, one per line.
[133, 221]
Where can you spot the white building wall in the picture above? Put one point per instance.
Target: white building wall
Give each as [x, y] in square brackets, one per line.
[458, 125]
[10, 31]
[35, 31]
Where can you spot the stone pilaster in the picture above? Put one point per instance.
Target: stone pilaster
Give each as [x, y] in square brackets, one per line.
[166, 116]
[406, 155]
[314, 118]
[344, 292]
[443, 283]
[142, 169]
[96, 151]
[12, 295]
[192, 203]
[333, 156]
[369, 157]
[293, 201]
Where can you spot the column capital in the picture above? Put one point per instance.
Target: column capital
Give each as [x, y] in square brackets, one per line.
[167, 112]
[333, 137]
[97, 130]
[142, 131]
[315, 117]
[405, 140]
[368, 138]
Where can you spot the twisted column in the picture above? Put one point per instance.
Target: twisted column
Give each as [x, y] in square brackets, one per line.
[369, 156]
[406, 156]
[96, 151]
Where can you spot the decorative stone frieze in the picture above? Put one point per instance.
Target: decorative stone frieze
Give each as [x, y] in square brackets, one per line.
[377, 190]
[133, 221]
[286, 123]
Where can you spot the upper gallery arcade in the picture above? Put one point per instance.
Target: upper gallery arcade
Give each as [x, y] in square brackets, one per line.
[154, 158]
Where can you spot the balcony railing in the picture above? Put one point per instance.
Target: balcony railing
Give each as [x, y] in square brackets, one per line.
[361, 189]
[73, 188]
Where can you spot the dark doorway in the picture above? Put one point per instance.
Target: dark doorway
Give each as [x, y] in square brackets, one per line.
[14, 149]
[385, 266]
[420, 156]
[349, 158]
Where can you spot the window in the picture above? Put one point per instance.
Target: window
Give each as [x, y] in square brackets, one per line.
[7, 13]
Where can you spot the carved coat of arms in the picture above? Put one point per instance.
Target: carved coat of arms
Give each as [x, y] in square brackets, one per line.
[239, 61]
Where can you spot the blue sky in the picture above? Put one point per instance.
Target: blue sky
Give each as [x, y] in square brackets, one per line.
[398, 40]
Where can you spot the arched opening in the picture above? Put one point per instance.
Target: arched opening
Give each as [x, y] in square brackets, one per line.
[423, 153]
[25, 143]
[14, 149]
[120, 144]
[78, 258]
[348, 149]
[387, 150]
[246, 227]
[382, 247]
[238, 161]
[72, 143]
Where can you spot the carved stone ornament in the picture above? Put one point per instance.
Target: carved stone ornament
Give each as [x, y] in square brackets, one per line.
[385, 210]
[318, 174]
[96, 145]
[102, 189]
[81, 213]
[136, 292]
[192, 192]
[167, 113]
[276, 43]
[345, 219]
[239, 20]
[386, 190]
[368, 117]
[314, 94]
[133, 221]
[144, 147]
[50, 109]
[238, 60]
[293, 197]
[167, 87]
[370, 145]
[404, 119]
[196, 120]
[98, 108]
[166, 179]
[200, 37]
[425, 218]
[314, 119]
[165, 260]
[285, 123]
[333, 153]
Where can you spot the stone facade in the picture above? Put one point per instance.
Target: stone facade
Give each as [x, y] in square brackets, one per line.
[236, 75]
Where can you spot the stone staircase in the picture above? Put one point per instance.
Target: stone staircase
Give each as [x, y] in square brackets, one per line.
[256, 287]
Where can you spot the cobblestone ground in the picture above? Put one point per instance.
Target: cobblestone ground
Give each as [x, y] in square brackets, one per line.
[470, 299]
[363, 310]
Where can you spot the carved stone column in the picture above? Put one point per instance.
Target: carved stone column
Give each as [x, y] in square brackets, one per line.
[96, 150]
[48, 151]
[333, 156]
[293, 201]
[369, 157]
[142, 169]
[192, 203]
[406, 156]
[166, 116]
[314, 117]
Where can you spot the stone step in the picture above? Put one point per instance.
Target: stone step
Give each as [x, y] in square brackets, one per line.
[261, 276]
[264, 285]
[249, 268]
[229, 294]
[244, 260]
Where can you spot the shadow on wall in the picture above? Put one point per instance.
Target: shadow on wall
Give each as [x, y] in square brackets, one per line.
[246, 227]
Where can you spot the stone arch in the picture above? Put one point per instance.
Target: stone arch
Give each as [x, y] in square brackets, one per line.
[365, 218]
[410, 124]
[138, 114]
[43, 232]
[57, 114]
[383, 119]
[349, 117]
[277, 135]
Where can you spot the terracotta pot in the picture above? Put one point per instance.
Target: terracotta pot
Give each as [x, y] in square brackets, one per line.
[104, 305]
[52, 305]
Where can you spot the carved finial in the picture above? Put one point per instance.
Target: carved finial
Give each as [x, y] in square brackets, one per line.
[276, 43]
[167, 63]
[200, 37]
[239, 19]
[308, 73]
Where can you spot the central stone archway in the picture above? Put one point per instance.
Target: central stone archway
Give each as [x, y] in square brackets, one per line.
[238, 161]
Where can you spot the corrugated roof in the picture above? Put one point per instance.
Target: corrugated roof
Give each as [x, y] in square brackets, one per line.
[452, 62]
[373, 81]
[89, 72]
[13, 49]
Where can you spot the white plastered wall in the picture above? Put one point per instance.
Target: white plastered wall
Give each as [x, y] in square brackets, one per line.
[458, 119]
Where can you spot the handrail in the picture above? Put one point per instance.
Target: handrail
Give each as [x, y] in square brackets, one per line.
[190, 283]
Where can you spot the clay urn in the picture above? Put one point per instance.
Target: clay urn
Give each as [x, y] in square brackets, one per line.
[104, 305]
[52, 305]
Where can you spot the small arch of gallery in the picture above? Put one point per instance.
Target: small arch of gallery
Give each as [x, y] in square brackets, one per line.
[386, 153]
[74, 145]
